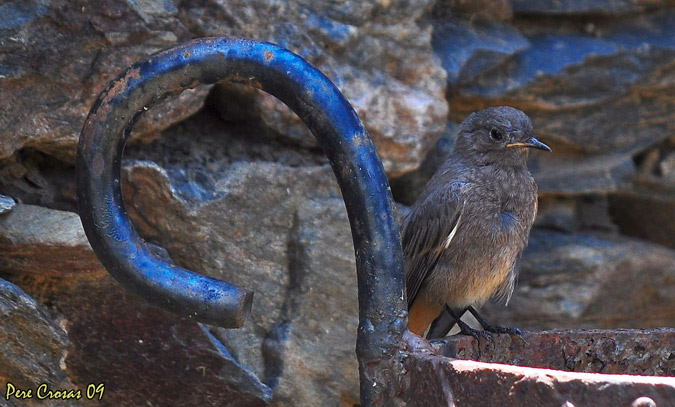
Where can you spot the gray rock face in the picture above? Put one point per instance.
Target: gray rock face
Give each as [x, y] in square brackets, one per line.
[469, 49]
[284, 233]
[576, 7]
[56, 56]
[383, 63]
[576, 280]
[599, 94]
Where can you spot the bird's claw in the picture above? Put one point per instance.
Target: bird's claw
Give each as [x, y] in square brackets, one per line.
[465, 329]
[502, 330]
[491, 328]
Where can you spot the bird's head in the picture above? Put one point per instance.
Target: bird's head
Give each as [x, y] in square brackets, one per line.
[499, 134]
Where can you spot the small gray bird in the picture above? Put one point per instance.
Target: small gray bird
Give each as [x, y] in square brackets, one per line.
[464, 234]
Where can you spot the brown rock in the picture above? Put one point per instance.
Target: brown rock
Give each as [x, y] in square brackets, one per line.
[140, 353]
[40, 241]
[646, 215]
[115, 336]
[487, 10]
[33, 349]
[56, 57]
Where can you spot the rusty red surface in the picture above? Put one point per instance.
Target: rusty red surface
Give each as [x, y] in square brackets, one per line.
[568, 356]
[618, 351]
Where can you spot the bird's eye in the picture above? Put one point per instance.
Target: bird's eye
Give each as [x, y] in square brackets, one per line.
[496, 135]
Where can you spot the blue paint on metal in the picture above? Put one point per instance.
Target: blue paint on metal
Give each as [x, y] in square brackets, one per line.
[343, 139]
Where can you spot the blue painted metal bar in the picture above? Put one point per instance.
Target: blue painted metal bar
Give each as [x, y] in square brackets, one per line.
[343, 139]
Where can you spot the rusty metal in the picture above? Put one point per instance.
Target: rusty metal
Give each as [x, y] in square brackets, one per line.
[441, 381]
[645, 352]
[365, 189]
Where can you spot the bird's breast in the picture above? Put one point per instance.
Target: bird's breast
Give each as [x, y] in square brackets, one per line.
[482, 256]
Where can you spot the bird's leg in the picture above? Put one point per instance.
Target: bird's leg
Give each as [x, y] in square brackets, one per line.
[465, 328]
[441, 326]
[491, 328]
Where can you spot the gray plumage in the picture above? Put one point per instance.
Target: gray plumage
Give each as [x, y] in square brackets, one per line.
[470, 224]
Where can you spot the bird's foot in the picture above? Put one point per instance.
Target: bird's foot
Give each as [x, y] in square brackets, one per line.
[492, 328]
[465, 329]
[502, 330]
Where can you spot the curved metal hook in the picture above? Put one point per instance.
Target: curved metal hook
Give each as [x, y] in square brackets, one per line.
[343, 139]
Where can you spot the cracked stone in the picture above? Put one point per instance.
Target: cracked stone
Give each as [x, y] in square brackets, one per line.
[581, 280]
[283, 232]
[33, 348]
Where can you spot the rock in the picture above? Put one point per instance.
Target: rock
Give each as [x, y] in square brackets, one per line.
[407, 187]
[33, 349]
[240, 103]
[474, 10]
[35, 178]
[315, 334]
[667, 168]
[587, 7]
[41, 241]
[568, 214]
[421, 119]
[114, 333]
[646, 210]
[86, 48]
[382, 63]
[379, 55]
[6, 204]
[586, 281]
[197, 149]
[283, 232]
[110, 332]
[468, 49]
[605, 97]
[646, 352]
[645, 214]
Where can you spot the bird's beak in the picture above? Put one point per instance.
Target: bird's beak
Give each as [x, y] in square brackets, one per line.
[532, 143]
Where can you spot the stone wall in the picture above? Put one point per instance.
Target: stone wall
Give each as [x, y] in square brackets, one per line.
[226, 181]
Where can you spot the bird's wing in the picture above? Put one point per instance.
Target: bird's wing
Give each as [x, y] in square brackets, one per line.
[536, 208]
[428, 229]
